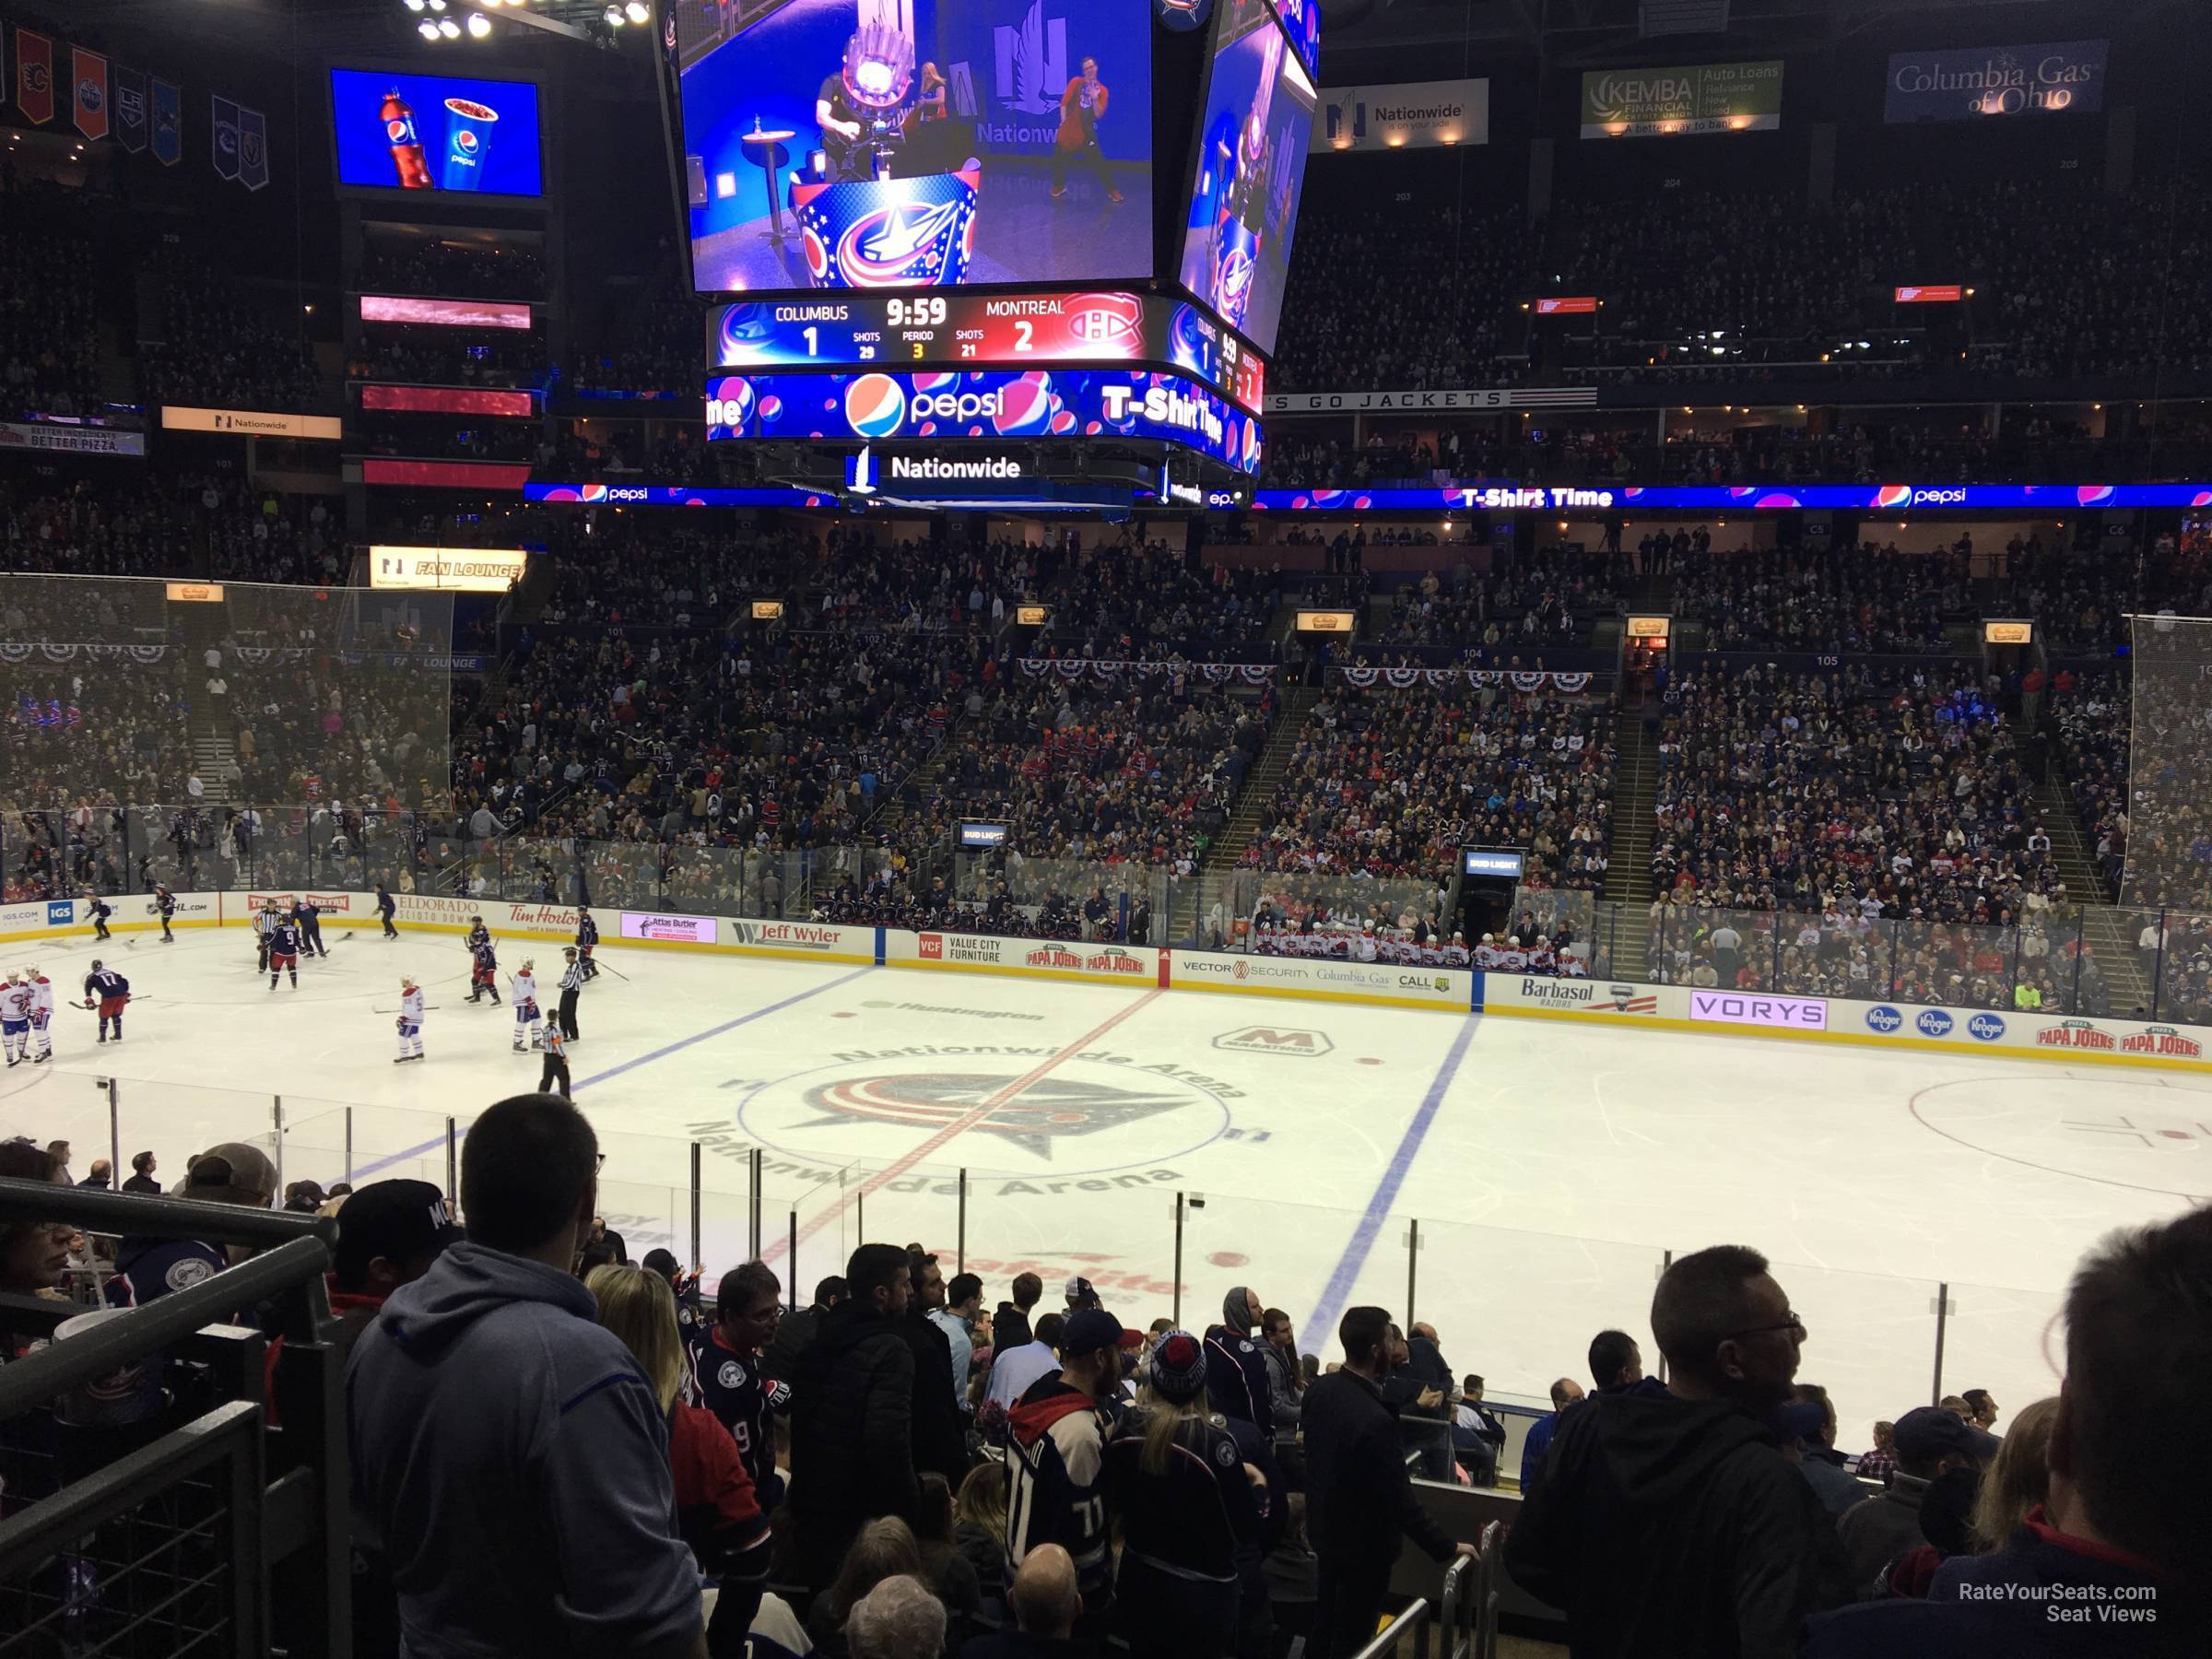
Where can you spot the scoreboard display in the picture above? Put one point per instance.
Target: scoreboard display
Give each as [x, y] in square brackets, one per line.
[965, 330]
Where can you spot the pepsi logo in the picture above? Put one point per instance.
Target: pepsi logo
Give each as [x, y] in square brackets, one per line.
[874, 406]
[399, 132]
[465, 142]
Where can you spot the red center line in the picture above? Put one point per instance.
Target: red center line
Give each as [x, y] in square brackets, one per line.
[959, 1126]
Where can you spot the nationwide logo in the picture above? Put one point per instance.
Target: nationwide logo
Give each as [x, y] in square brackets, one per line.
[1269, 1039]
[1885, 1020]
[2162, 1039]
[1985, 1028]
[1933, 1022]
[1032, 62]
[2077, 1035]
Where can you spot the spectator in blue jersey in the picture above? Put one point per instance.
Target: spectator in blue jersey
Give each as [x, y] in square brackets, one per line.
[510, 1456]
[1236, 1370]
[1055, 1448]
[1189, 1510]
[726, 1368]
[1565, 1392]
[852, 1417]
[148, 1268]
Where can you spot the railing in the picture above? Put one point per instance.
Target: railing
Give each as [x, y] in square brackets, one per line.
[719, 1195]
[192, 1527]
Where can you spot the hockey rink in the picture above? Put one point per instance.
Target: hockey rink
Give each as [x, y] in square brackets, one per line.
[1550, 1167]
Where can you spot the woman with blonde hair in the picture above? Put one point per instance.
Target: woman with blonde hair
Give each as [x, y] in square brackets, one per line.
[716, 1511]
[979, 1525]
[2019, 1478]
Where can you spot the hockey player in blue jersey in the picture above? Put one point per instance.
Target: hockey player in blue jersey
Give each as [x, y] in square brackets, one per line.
[284, 952]
[108, 990]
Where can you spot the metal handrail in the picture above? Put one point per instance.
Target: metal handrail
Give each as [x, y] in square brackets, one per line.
[53, 1370]
[159, 1216]
[1456, 1603]
[1414, 1618]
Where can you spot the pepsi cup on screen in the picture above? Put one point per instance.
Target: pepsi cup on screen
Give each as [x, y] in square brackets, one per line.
[468, 129]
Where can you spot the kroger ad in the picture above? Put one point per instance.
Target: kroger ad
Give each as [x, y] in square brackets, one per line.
[909, 143]
[1249, 169]
[436, 131]
[990, 403]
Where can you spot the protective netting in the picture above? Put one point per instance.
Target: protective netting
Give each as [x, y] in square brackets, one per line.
[112, 692]
[2170, 766]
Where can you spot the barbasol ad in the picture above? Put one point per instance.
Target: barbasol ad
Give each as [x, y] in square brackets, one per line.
[1507, 992]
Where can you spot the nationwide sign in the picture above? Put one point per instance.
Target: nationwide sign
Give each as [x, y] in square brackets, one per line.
[1964, 83]
[1737, 498]
[1413, 116]
[1480, 397]
[249, 423]
[1694, 98]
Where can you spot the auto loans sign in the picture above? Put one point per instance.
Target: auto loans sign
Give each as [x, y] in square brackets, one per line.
[1997, 80]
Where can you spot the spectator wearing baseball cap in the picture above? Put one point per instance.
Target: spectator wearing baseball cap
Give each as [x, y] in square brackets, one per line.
[1055, 1450]
[1079, 1292]
[145, 1268]
[1929, 1442]
[1188, 1506]
[389, 1233]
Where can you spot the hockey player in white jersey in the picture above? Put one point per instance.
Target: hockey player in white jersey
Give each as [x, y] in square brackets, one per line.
[15, 1000]
[522, 989]
[410, 1021]
[41, 1014]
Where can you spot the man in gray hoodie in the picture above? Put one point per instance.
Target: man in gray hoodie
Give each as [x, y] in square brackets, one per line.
[510, 1459]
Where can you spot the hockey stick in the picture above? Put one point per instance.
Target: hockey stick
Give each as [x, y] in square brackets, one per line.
[610, 968]
[428, 1007]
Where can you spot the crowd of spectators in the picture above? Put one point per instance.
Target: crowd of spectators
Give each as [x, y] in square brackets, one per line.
[1890, 791]
[220, 341]
[453, 270]
[1853, 598]
[1148, 603]
[1394, 783]
[447, 358]
[923, 1465]
[1548, 596]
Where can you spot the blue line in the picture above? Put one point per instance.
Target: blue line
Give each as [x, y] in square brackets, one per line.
[1325, 1312]
[371, 1167]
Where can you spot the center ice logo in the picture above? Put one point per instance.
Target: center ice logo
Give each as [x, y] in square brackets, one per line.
[1048, 1109]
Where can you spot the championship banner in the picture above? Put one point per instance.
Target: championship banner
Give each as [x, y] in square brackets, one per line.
[225, 138]
[132, 119]
[169, 122]
[75, 439]
[252, 149]
[1415, 115]
[34, 76]
[1965, 82]
[89, 80]
[1695, 97]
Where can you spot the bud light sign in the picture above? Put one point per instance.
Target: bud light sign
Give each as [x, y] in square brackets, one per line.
[994, 405]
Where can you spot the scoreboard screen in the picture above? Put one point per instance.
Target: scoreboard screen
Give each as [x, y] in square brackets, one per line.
[937, 330]
[1251, 165]
[913, 144]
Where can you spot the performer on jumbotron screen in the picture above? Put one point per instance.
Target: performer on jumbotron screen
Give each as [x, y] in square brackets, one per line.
[1082, 107]
[858, 106]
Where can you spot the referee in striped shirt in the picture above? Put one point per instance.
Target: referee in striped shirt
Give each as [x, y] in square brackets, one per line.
[572, 982]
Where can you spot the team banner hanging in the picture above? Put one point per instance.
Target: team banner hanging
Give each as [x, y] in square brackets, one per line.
[1967, 82]
[225, 138]
[169, 122]
[89, 80]
[132, 119]
[253, 148]
[1104, 668]
[34, 76]
[1400, 679]
[1694, 98]
[1415, 115]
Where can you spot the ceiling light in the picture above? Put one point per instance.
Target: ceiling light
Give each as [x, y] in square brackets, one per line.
[427, 30]
[449, 29]
[479, 25]
[613, 17]
[437, 4]
[637, 11]
[414, 6]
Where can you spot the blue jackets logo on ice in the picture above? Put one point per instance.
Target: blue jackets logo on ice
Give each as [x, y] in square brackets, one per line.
[1046, 1111]
[1933, 1022]
[1884, 1019]
[1985, 1028]
[61, 913]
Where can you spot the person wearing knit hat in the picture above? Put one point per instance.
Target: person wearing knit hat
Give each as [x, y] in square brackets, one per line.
[1190, 1508]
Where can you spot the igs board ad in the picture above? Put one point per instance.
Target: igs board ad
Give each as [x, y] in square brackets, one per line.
[1250, 168]
[911, 144]
[436, 131]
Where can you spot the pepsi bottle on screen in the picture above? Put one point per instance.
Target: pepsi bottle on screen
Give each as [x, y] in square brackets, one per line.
[407, 148]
